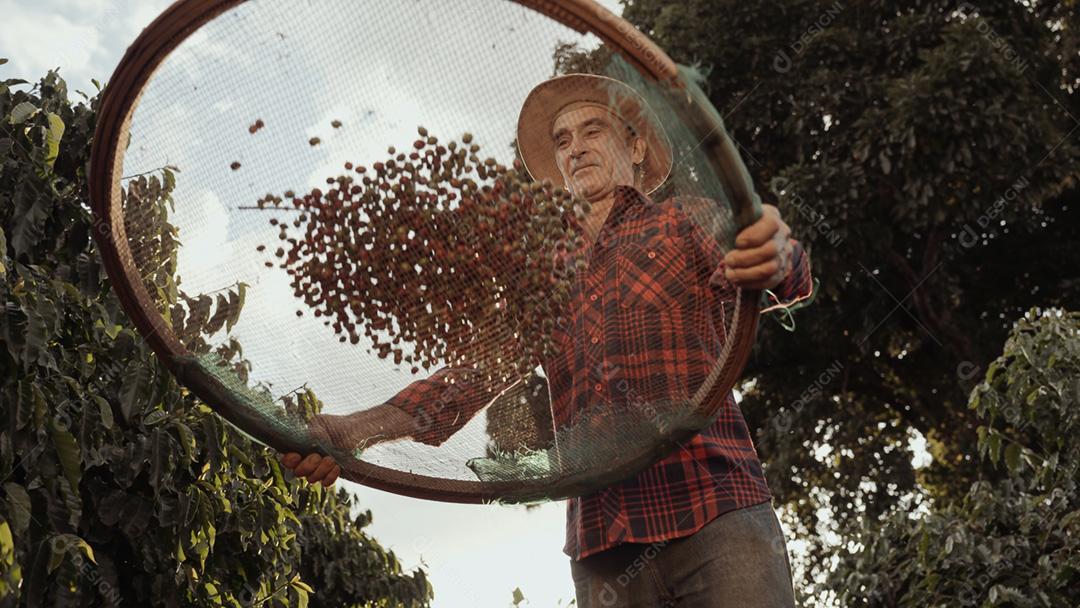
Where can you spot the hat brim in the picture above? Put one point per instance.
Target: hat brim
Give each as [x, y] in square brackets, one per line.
[546, 101]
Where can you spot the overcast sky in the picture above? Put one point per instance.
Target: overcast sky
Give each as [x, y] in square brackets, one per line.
[475, 555]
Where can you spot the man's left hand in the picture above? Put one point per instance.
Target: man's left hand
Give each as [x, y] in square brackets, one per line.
[762, 255]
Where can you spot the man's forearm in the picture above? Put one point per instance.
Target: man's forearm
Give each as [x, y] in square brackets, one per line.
[391, 422]
[440, 405]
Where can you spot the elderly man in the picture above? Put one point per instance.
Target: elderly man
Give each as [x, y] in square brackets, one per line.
[696, 528]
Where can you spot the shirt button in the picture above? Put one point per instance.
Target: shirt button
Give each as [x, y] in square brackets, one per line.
[598, 387]
[595, 340]
[593, 297]
[652, 254]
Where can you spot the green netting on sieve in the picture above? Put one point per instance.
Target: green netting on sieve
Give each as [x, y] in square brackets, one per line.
[517, 453]
[458, 246]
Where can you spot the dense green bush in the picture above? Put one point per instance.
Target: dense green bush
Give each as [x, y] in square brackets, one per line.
[119, 485]
[1013, 542]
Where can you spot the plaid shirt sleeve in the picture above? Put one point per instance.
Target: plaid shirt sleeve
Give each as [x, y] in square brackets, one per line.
[798, 285]
[444, 402]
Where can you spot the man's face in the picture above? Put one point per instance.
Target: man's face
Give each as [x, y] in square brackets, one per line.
[594, 151]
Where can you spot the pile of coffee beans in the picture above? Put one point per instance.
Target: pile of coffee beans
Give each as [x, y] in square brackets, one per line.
[435, 255]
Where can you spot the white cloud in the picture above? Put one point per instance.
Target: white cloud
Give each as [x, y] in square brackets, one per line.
[40, 42]
[203, 224]
[138, 15]
[84, 38]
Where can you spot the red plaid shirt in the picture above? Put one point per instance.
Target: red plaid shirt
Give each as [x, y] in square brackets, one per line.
[643, 321]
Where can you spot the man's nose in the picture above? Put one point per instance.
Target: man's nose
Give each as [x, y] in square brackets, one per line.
[577, 149]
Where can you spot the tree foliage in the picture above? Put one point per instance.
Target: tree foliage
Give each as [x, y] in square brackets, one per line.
[926, 152]
[119, 485]
[1014, 541]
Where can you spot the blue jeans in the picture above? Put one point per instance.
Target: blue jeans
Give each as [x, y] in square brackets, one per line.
[738, 560]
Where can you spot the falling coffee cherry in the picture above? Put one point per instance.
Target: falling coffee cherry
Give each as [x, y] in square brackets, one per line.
[336, 124]
[314, 141]
[436, 251]
[235, 166]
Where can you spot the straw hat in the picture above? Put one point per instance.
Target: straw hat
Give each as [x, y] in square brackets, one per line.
[547, 100]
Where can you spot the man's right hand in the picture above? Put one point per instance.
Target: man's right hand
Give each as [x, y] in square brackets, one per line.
[315, 467]
[347, 432]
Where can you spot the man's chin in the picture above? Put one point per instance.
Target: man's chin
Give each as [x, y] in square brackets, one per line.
[588, 191]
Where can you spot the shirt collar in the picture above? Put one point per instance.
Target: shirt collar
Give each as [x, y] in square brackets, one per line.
[627, 198]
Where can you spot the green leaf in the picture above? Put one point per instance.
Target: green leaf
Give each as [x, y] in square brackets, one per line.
[241, 295]
[221, 315]
[52, 139]
[40, 327]
[199, 312]
[241, 455]
[22, 112]
[886, 164]
[86, 549]
[1012, 458]
[299, 584]
[160, 459]
[3, 60]
[29, 226]
[105, 411]
[518, 596]
[134, 388]
[924, 544]
[19, 506]
[212, 435]
[57, 550]
[24, 409]
[976, 399]
[3, 253]
[236, 303]
[89, 273]
[187, 440]
[7, 542]
[994, 446]
[154, 417]
[37, 582]
[68, 450]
